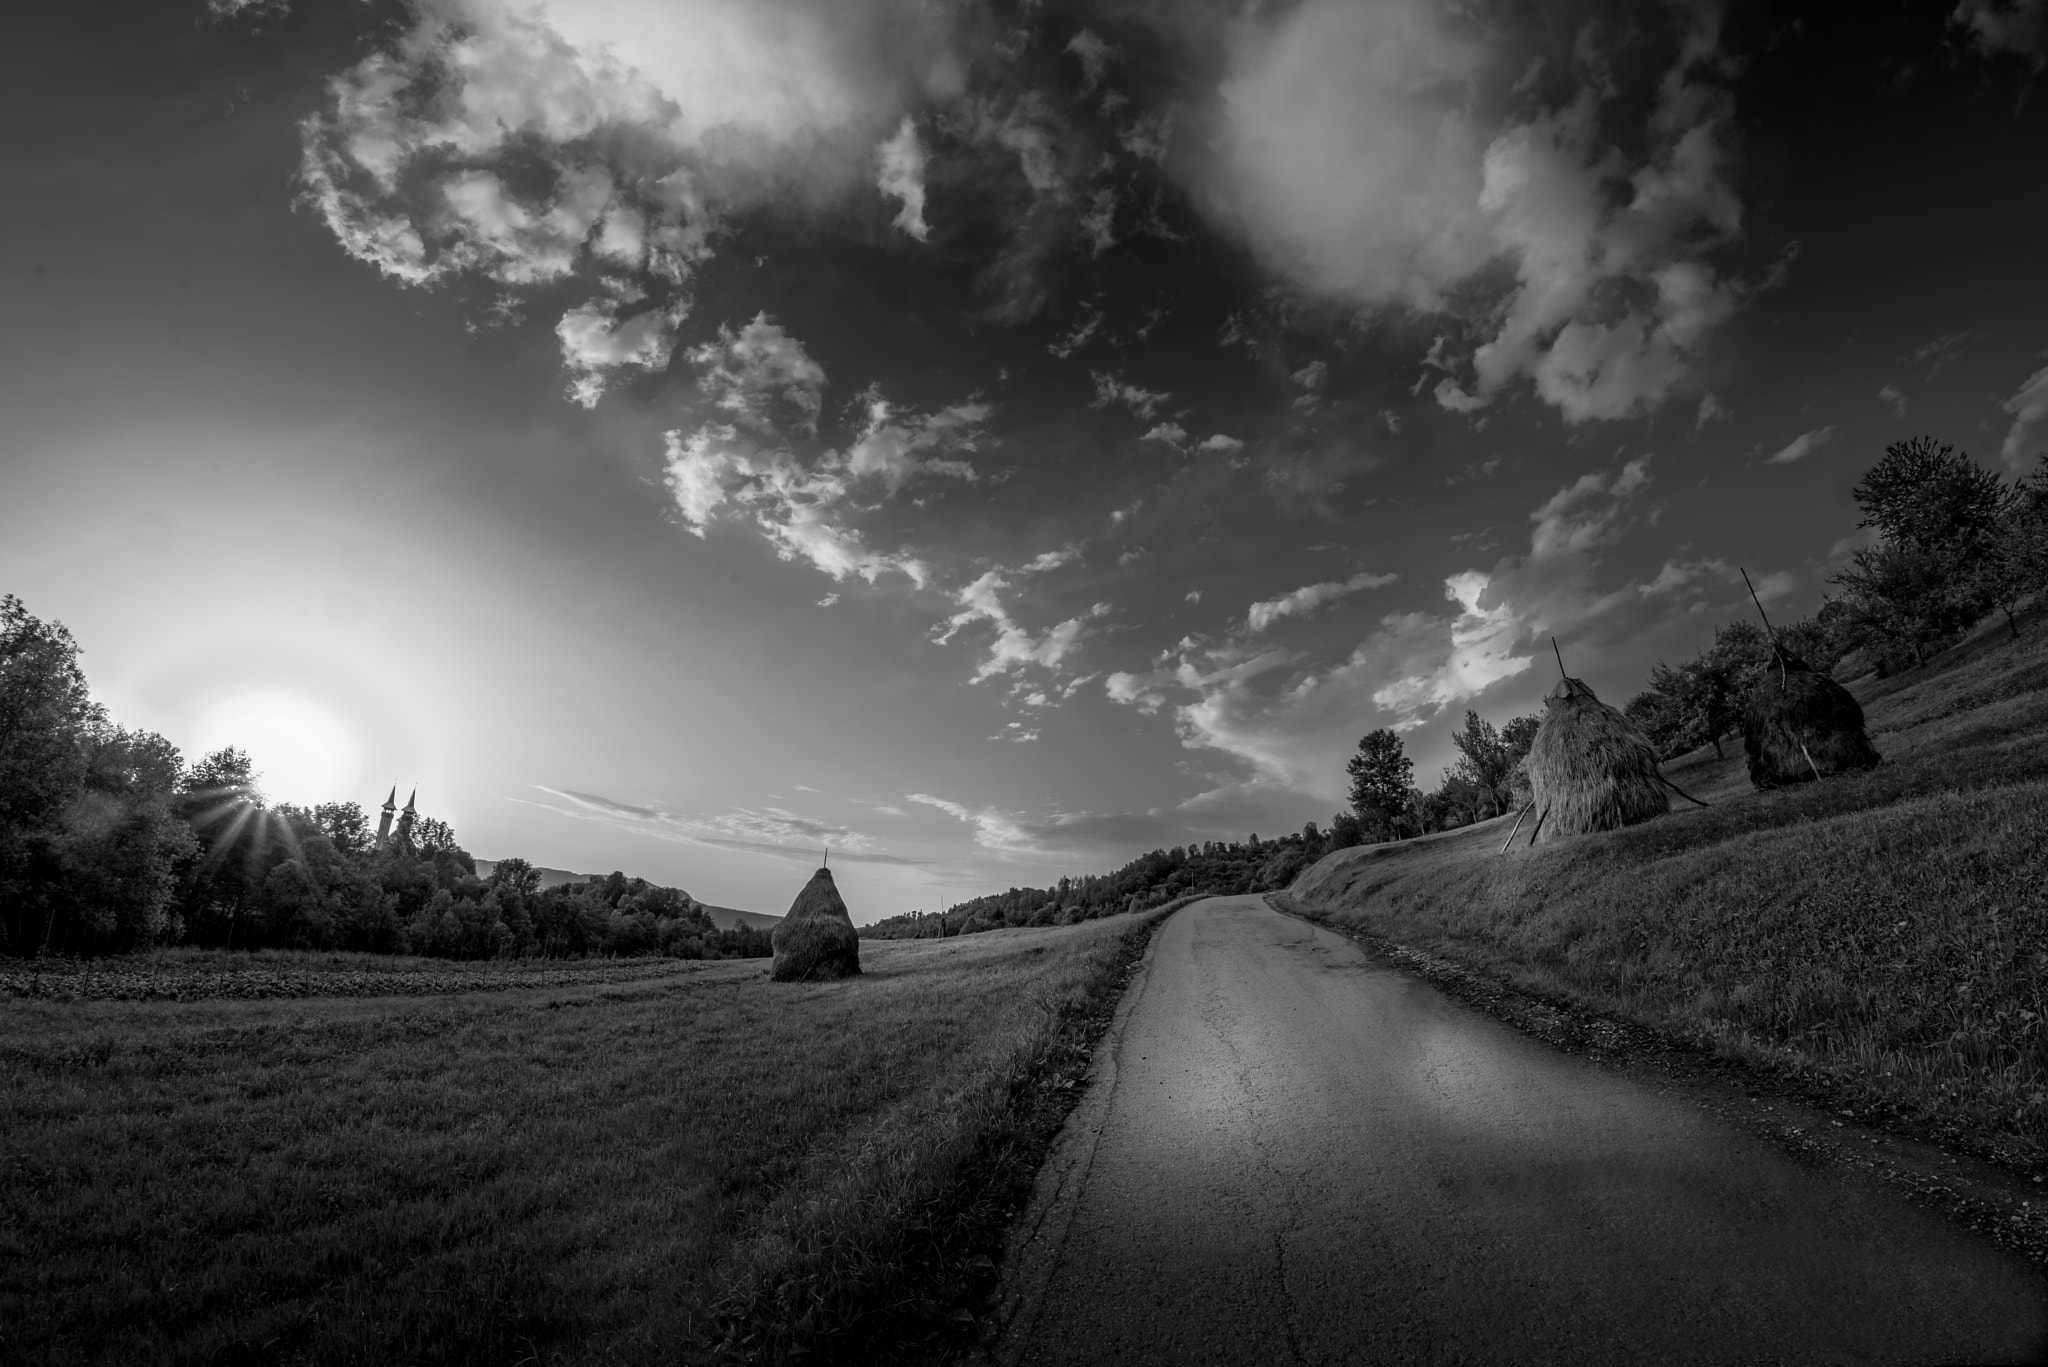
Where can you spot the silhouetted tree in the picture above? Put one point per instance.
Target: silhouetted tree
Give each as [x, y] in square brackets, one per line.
[1380, 775]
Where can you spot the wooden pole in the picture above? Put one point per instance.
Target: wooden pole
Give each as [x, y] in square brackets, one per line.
[1560, 657]
[1770, 634]
[1518, 826]
[1680, 791]
[1539, 826]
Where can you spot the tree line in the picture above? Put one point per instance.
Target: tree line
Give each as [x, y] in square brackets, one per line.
[110, 843]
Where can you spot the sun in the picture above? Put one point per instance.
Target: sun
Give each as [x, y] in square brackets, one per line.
[302, 753]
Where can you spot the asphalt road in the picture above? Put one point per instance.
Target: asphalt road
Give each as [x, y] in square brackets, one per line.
[1293, 1154]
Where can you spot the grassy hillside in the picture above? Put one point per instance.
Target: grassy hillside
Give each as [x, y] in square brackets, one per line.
[1883, 935]
[261, 1158]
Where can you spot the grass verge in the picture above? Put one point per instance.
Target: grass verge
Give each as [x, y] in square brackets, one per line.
[695, 1166]
[1880, 939]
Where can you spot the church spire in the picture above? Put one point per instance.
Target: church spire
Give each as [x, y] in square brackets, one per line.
[405, 820]
[384, 823]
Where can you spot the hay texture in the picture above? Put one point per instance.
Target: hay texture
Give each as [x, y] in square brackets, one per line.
[1793, 713]
[816, 940]
[1590, 767]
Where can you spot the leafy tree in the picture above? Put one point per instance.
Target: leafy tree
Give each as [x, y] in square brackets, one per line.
[1926, 494]
[44, 709]
[1944, 525]
[346, 825]
[515, 876]
[1380, 775]
[1485, 763]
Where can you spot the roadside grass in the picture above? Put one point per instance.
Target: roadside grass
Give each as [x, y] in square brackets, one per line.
[1883, 935]
[686, 1167]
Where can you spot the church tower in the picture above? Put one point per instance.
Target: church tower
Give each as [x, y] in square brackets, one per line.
[405, 819]
[384, 823]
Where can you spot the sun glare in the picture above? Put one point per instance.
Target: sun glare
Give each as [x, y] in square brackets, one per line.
[303, 753]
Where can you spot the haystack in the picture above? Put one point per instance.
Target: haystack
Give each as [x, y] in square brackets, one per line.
[816, 940]
[1590, 767]
[1799, 725]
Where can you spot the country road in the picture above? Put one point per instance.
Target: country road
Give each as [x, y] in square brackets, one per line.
[1294, 1154]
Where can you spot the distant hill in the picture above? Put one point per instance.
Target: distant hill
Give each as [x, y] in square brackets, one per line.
[726, 916]
[722, 916]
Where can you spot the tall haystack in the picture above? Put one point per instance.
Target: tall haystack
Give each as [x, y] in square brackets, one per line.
[1590, 767]
[816, 940]
[1799, 725]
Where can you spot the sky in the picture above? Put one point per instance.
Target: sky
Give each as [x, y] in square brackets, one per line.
[989, 440]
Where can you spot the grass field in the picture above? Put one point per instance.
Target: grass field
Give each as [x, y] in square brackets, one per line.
[1883, 936]
[555, 1163]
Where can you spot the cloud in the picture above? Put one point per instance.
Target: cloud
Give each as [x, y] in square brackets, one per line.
[1110, 389]
[2029, 409]
[537, 142]
[1094, 54]
[1171, 433]
[1309, 598]
[597, 341]
[1894, 396]
[1078, 337]
[1802, 446]
[603, 804]
[762, 376]
[770, 392]
[1009, 834]
[2006, 27]
[1363, 154]
[1014, 647]
[1227, 445]
[771, 831]
[1711, 410]
[901, 177]
[897, 445]
[1051, 560]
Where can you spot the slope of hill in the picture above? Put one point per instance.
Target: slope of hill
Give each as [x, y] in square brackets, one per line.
[1883, 935]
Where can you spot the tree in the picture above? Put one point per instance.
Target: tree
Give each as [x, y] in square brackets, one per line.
[1380, 775]
[44, 709]
[1485, 762]
[221, 801]
[1926, 494]
[1943, 523]
[515, 876]
[345, 824]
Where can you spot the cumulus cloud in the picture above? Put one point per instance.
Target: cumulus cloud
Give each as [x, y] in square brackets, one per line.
[1310, 598]
[534, 142]
[1802, 446]
[2006, 27]
[1111, 389]
[767, 393]
[1094, 54]
[1362, 154]
[2029, 409]
[1014, 647]
[1221, 442]
[901, 177]
[1894, 396]
[896, 445]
